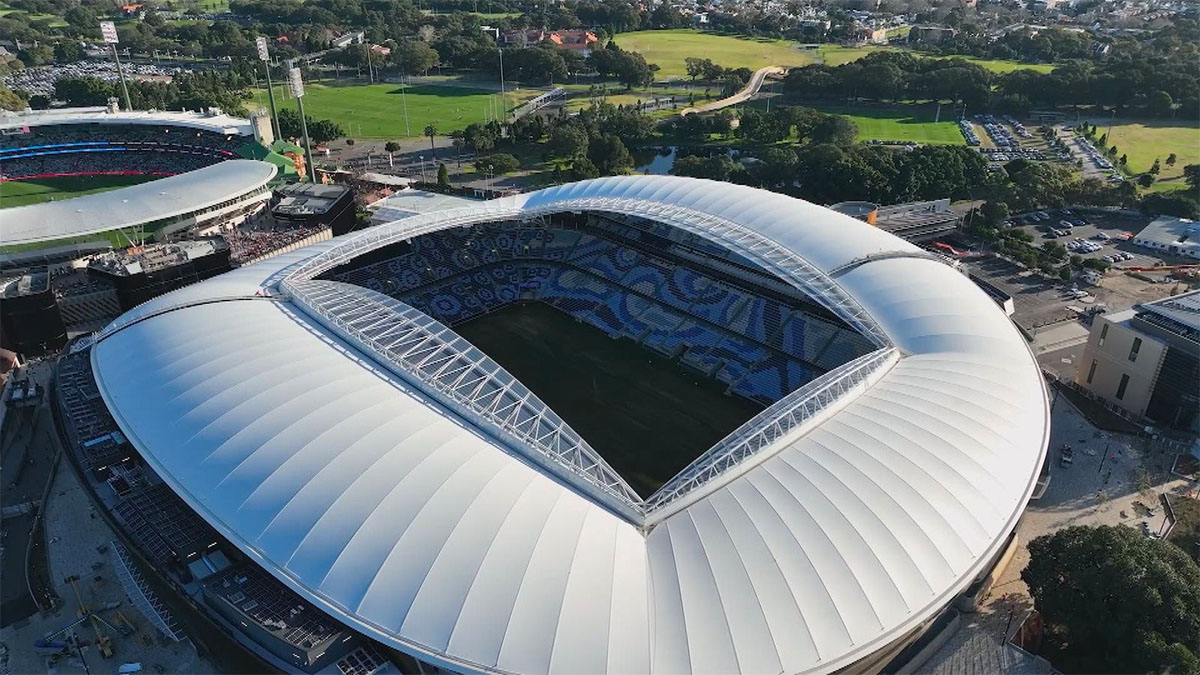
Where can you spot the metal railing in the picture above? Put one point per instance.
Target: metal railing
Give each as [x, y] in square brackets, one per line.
[786, 416]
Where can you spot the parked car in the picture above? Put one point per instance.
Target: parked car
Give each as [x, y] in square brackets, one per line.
[1066, 455]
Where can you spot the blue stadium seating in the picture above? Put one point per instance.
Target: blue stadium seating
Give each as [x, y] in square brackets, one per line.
[759, 346]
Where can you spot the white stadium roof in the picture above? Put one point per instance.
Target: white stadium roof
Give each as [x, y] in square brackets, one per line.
[135, 205]
[289, 414]
[215, 122]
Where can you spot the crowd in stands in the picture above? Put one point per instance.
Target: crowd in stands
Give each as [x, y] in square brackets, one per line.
[78, 149]
[251, 244]
[630, 282]
[90, 164]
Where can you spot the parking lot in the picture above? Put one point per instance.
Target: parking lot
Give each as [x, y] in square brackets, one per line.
[1041, 301]
[1103, 230]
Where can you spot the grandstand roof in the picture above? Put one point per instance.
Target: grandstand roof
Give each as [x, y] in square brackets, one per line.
[135, 205]
[428, 530]
[216, 123]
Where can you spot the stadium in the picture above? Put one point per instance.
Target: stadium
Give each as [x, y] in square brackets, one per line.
[632, 424]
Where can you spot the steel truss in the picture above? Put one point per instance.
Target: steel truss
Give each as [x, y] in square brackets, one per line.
[433, 358]
[443, 365]
[788, 415]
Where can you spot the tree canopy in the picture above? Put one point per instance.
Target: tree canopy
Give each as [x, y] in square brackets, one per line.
[1119, 601]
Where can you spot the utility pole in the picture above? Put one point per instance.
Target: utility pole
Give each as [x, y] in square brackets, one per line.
[298, 89]
[109, 31]
[261, 43]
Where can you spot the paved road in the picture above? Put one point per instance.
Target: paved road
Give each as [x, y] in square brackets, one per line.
[751, 88]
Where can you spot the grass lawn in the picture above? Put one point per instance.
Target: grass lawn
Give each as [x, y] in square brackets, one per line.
[23, 192]
[1146, 140]
[647, 416]
[902, 123]
[376, 111]
[669, 48]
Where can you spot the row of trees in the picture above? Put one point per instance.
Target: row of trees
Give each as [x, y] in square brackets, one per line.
[1156, 86]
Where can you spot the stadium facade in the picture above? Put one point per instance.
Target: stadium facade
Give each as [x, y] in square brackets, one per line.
[319, 427]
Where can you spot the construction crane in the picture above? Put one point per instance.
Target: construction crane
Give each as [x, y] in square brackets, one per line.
[103, 642]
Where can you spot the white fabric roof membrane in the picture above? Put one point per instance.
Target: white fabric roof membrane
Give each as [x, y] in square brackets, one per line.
[216, 123]
[409, 524]
[134, 205]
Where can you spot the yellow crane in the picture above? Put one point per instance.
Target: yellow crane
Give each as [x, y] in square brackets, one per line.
[103, 642]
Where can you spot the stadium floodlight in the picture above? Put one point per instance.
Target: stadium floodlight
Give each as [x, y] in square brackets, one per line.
[108, 30]
[296, 81]
[260, 43]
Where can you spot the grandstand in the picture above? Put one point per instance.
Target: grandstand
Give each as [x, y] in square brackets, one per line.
[628, 279]
[394, 497]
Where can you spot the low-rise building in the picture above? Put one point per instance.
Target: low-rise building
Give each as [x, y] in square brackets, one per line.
[1168, 234]
[1146, 360]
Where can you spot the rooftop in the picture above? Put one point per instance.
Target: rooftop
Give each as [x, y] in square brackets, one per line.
[1182, 309]
[135, 205]
[1172, 231]
[214, 121]
[302, 199]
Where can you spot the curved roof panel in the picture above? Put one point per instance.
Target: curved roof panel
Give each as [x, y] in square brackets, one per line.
[408, 521]
[217, 123]
[135, 205]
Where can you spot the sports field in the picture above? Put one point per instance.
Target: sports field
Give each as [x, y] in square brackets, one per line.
[23, 192]
[647, 416]
[376, 111]
[669, 48]
[901, 123]
[1147, 140]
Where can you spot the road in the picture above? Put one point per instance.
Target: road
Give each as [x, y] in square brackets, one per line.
[744, 94]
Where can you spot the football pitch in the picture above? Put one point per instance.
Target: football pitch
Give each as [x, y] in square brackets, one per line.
[903, 123]
[377, 111]
[647, 416]
[669, 48]
[38, 190]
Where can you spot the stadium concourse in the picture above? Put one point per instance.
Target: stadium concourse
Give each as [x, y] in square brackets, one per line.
[320, 414]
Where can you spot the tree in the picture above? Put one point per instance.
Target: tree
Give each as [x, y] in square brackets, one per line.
[835, 130]
[609, 155]
[695, 67]
[1155, 168]
[392, 147]
[431, 131]
[319, 131]
[569, 141]
[1124, 159]
[443, 179]
[414, 56]
[994, 212]
[10, 100]
[1120, 601]
[1171, 159]
[1191, 174]
[1145, 180]
[499, 163]
[1064, 273]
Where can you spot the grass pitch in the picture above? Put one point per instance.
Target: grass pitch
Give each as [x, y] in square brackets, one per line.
[36, 191]
[376, 111]
[669, 48]
[903, 123]
[1149, 140]
[647, 416]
